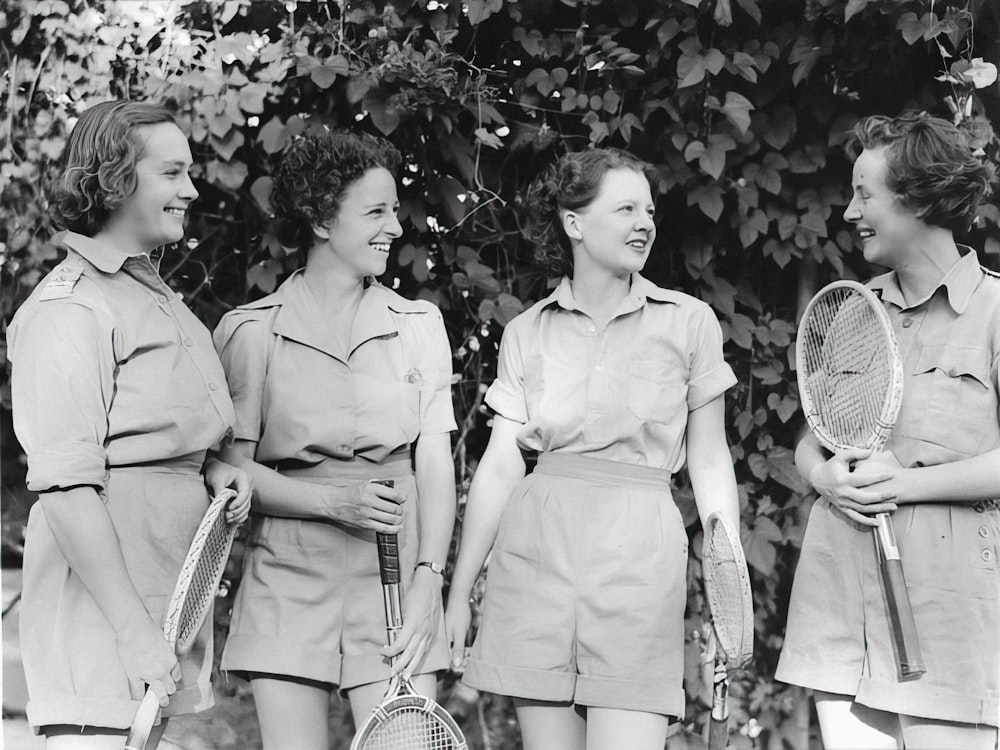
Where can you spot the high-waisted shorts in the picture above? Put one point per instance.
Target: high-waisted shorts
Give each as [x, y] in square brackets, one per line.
[586, 589]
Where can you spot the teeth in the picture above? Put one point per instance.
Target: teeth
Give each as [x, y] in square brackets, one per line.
[865, 233]
[175, 211]
[381, 247]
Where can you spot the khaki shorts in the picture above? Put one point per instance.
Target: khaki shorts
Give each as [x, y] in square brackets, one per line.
[838, 636]
[310, 602]
[586, 590]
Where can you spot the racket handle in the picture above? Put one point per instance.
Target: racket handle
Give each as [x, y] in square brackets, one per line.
[904, 628]
[718, 727]
[142, 724]
[388, 550]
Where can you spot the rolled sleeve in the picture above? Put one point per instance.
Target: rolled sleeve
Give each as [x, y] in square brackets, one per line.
[62, 385]
[437, 412]
[244, 343]
[710, 375]
[506, 395]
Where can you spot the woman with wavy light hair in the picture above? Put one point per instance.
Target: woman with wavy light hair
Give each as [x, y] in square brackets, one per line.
[118, 397]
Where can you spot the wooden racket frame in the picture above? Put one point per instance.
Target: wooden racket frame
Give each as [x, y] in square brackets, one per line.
[149, 709]
[905, 639]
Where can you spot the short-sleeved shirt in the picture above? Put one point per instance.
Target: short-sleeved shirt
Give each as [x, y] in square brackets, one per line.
[303, 399]
[619, 394]
[111, 369]
[950, 343]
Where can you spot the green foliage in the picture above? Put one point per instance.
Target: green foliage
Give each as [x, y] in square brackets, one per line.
[742, 107]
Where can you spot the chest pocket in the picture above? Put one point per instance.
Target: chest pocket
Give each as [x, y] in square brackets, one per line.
[951, 389]
[657, 390]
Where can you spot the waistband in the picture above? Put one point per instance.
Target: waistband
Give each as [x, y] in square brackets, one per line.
[602, 471]
[190, 463]
[396, 465]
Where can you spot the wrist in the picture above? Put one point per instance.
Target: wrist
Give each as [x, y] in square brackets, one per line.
[430, 568]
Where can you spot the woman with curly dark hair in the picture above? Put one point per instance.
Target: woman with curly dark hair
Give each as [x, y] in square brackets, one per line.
[338, 383]
[615, 383]
[916, 183]
[118, 397]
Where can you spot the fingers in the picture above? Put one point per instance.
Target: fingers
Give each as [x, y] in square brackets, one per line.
[409, 653]
[849, 455]
[864, 514]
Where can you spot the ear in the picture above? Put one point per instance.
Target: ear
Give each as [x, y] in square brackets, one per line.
[571, 225]
[321, 231]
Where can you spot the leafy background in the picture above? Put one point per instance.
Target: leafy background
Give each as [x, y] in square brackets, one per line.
[741, 104]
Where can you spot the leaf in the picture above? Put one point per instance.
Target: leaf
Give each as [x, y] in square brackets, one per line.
[261, 192]
[781, 466]
[264, 275]
[226, 147]
[759, 545]
[709, 200]
[713, 161]
[737, 110]
[690, 70]
[742, 331]
[229, 174]
[252, 97]
[479, 10]
[785, 407]
[273, 136]
[488, 139]
[384, 116]
[853, 8]
[911, 27]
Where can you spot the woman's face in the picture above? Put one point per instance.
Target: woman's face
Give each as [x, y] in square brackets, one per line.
[154, 214]
[887, 229]
[366, 224]
[615, 231]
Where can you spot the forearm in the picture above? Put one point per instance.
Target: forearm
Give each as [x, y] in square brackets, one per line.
[710, 464]
[82, 528]
[808, 455]
[435, 476]
[966, 481]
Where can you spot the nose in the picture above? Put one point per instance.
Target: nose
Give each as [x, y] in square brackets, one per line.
[645, 221]
[188, 191]
[853, 212]
[394, 228]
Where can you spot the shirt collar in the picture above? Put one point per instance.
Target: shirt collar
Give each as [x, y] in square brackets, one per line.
[300, 318]
[641, 290]
[959, 282]
[103, 256]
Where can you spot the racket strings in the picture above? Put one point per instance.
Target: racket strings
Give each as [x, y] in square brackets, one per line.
[849, 364]
[410, 728]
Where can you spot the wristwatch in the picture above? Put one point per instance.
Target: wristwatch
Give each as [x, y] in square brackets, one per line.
[435, 568]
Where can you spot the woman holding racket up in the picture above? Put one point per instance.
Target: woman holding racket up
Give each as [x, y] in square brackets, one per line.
[614, 382]
[337, 381]
[117, 397]
[916, 183]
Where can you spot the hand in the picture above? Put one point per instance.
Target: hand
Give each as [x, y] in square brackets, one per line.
[856, 493]
[369, 506]
[457, 621]
[220, 476]
[421, 610]
[148, 660]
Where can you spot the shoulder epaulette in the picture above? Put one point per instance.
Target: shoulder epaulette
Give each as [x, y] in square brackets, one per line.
[62, 281]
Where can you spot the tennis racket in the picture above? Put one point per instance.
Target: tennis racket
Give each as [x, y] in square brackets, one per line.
[727, 588]
[851, 388]
[404, 720]
[194, 592]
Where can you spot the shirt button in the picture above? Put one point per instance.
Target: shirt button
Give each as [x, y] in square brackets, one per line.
[344, 448]
[907, 322]
[987, 555]
[952, 373]
[188, 342]
[162, 298]
[984, 531]
[211, 386]
[592, 329]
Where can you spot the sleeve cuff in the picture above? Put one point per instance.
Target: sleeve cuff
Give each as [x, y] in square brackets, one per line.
[67, 465]
[713, 383]
[505, 402]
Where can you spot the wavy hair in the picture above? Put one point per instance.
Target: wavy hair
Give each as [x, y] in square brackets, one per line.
[569, 184]
[314, 172]
[97, 171]
[930, 165]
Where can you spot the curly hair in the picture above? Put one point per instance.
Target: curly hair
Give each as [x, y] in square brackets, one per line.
[314, 172]
[569, 184]
[930, 165]
[97, 171]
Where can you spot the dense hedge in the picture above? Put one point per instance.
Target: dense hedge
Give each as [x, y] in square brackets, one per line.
[741, 104]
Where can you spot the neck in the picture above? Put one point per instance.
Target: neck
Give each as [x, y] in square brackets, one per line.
[109, 234]
[926, 264]
[599, 292]
[333, 288]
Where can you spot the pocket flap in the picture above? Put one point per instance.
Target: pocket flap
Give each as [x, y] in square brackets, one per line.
[955, 361]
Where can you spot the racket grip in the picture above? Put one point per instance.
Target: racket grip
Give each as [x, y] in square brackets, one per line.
[904, 629]
[718, 726]
[142, 723]
[388, 550]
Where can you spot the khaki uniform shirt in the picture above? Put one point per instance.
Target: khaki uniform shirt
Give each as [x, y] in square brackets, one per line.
[110, 369]
[621, 394]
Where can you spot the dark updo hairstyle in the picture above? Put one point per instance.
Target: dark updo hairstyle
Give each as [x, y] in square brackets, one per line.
[930, 165]
[569, 184]
[97, 171]
[315, 171]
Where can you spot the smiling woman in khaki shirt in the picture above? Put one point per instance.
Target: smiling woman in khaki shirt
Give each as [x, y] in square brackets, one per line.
[117, 395]
[338, 382]
[916, 182]
[616, 383]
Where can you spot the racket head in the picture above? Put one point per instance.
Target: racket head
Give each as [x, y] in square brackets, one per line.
[198, 582]
[727, 588]
[850, 374]
[405, 720]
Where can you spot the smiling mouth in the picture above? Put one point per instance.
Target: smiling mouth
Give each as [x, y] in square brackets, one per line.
[179, 212]
[866, 234]
[638, 244]
[382, 247]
